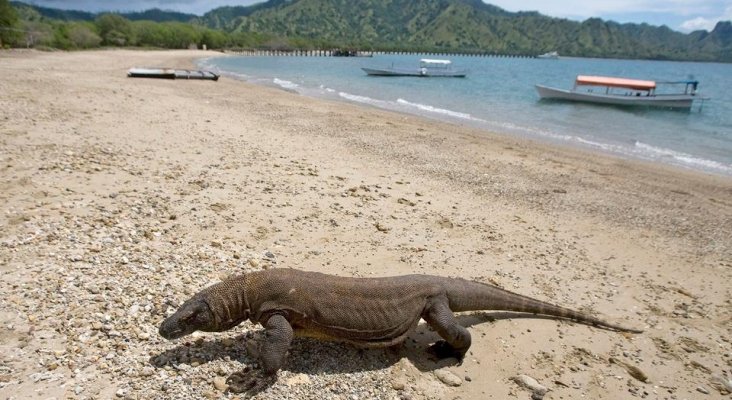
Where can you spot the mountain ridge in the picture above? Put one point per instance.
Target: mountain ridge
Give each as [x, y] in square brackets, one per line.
[459, 26]
[152, 14]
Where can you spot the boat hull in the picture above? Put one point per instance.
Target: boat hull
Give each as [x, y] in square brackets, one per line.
[677, 101]
[170, 73]
[415, 72]
[552, 55]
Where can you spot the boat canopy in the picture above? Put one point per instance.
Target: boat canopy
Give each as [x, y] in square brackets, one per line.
[615, 82]
[433, 61]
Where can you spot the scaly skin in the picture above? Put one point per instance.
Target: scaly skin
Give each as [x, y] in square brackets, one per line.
[368, 312]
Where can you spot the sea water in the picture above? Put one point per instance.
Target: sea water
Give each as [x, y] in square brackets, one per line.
[498, 95]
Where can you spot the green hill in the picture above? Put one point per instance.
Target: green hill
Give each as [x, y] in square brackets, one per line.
[425, 25]
[228, 17]
[473, 26]
[159, 15]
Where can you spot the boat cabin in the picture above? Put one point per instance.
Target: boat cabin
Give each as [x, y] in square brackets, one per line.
[432, 63]
[641, 86]
[637, 87]
[426, 64]
[427, 67]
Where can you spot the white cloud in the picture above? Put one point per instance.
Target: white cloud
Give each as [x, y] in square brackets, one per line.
[706, 23]
[688, 15]
[594, 8]
[698, 23]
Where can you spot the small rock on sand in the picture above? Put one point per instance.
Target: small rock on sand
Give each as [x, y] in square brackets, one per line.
[298, 379]
[219, 383]
[448, 378]
[532, 384]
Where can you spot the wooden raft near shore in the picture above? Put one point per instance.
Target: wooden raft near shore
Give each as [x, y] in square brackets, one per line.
[171, 73]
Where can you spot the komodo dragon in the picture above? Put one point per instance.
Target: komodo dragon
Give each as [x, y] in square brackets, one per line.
[367, 312]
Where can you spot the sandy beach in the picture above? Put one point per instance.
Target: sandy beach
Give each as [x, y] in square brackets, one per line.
[122, 197]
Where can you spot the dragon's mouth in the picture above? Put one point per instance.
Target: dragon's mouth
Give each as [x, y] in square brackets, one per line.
[170, 330]
[171, 335]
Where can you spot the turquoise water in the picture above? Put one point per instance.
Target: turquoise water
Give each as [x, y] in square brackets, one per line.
[499, 95]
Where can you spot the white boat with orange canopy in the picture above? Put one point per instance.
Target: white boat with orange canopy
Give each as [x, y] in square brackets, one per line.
[624, 92]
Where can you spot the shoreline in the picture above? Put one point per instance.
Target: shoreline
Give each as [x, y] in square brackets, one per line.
[585, 151]
[613, 146]
[125, 196]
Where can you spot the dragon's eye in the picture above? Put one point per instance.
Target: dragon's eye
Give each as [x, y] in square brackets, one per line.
[190, 317]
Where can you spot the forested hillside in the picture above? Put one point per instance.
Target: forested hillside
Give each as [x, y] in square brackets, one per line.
[460, 26]
[473, 26]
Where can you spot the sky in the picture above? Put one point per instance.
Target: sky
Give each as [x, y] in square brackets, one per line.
[680, 15]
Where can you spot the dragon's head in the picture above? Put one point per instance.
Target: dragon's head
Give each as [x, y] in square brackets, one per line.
[194, 315]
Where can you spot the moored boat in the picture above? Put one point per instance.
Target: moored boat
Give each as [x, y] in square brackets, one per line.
[552, 55]
[171, 73]
[624, 92]
[427, 68]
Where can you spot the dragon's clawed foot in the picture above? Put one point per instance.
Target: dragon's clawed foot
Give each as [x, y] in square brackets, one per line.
[249, 380]
[441, 349]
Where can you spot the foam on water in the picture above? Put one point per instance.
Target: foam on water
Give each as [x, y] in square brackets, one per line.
[437, 110]
[327, 89]
[637, 150]
[608, 147]
[680, 158]
[364, 100]
[207, 63]
[512, 127]
[285, 84]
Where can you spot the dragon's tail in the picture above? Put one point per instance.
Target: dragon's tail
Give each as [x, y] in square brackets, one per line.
[467, 295]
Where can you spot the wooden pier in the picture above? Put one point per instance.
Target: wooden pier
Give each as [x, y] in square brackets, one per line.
[361, 53]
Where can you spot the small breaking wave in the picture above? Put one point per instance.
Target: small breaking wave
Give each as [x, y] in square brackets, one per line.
[637, 150]
[363, 99]
[432, 109]
[524, 129]
[285, 84]
[614, 148]
[327, 89]
[207, 63]
[677, 157]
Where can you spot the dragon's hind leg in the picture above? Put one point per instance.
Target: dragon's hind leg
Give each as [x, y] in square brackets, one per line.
[457, 339]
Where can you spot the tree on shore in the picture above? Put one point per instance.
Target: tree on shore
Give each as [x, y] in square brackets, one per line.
[8, 24]
[114, 29]
[83, 36]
